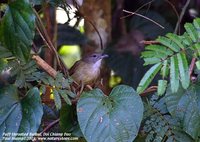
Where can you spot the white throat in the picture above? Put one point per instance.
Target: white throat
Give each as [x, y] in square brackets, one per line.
[97, 64]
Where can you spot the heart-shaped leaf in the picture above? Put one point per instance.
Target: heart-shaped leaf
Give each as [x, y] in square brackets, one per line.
[19, 116]
[112, 118]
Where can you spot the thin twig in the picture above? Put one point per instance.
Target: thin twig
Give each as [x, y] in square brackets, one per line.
[101, 41]
[43, 33]
[149, 90]
[181, 16]
[176, 12]
[134, 13]
[147, 42]
[50, 125]
[192, 65]
[41, 28]
[144, 6]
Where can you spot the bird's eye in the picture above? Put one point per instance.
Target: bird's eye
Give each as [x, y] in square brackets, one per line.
[94, 55]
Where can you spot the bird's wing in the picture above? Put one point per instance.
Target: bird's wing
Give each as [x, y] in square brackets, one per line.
[74, 67]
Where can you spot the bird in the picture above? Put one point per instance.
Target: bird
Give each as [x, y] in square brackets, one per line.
[87, 70]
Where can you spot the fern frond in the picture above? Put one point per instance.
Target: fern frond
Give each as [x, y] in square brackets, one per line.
[159, 125]
[172, 54]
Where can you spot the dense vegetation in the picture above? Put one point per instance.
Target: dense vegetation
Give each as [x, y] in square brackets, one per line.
[165, 106]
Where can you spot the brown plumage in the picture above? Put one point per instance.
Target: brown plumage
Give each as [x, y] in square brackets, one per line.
[87, 70]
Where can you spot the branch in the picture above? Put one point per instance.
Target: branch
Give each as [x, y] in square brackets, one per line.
[192, 64]
[50, 125]
[134, 13]
[148, 91]
[43, 33]
[181, 15]
[47, 68]
[147, 42]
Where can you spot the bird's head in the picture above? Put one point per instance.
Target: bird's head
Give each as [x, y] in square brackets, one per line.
[94, 57]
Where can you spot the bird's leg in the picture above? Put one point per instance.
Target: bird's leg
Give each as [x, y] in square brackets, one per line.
[89, 87]
[82, 87]
[98, 83]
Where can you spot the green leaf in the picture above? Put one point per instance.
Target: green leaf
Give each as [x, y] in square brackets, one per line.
[183, 70]
[32, 112]
[165, 69]
[159, 49]
[112, 118]
[186, 39]
[162, 85]
[57, 99]
[17, 28]
[148, 77]
[197, 26]
[150, 54]
[68, 120]
[11, 111]
[152, 60]
[19, 116]
[159, 126]
[190, 29]
[168, 43]
[42, 89]
[197, 48]
[198, 64]
[4, 53]
[174, 73]
[176, 39]
[184, 105]
[64, 95]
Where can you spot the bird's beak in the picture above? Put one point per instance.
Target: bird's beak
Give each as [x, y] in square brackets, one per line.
[104, 56]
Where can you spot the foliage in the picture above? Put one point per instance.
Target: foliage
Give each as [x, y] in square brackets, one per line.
[116, 117]
[170, 57]
[159, 125]
[60, 87]
[96, 117]
[21, 106]
[17, 29]
[127, 65]
[19, 115]
[184, 105]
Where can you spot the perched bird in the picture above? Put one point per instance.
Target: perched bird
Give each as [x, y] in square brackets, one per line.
[87, 70]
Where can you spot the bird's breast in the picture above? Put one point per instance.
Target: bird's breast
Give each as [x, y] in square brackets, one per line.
[87, 73]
